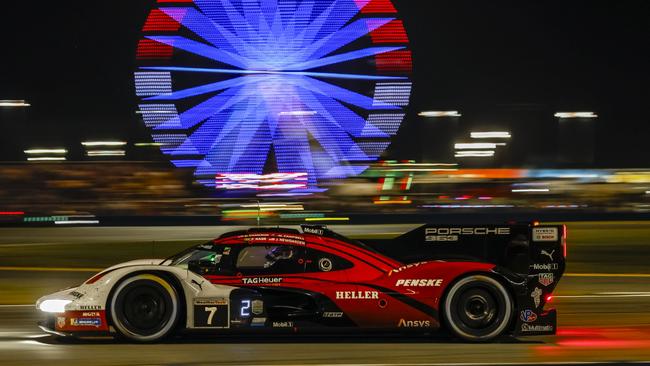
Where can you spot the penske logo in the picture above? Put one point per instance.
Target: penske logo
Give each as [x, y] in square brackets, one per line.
[419, 283]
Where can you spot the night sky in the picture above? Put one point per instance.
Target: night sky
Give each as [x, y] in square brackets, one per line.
[498, 62]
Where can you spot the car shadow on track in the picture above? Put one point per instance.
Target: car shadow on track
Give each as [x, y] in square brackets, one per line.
[289, 338]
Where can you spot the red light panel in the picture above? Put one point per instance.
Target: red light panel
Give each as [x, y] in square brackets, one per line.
[376, 6]
[148, 49]
[392, 32]
[397, 61]
[160, 22]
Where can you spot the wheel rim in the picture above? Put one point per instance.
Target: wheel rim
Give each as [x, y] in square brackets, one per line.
[144, 308]
[478, 308]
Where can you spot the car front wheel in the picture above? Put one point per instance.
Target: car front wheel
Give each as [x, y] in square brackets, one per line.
[144, 308]
[478, 308]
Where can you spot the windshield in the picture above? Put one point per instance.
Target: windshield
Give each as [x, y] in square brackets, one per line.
[206, 253]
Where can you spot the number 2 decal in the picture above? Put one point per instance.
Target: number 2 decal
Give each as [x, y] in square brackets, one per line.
[245, 308]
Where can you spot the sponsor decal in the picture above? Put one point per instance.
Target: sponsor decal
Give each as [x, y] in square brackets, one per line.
[60, 322]
[545, 234]
[545, 279]
[528, 316]
[313, 230]
[549, 255]
[536, 328]
[257, 307]
[91, 314]
[419, 283]
[400, 269]
[282, 324]
[258, 322]
[86, 322]
[451, 234]
[76, 295]
[262, 280]
[332, 314]
[537, 296]
[357, 295]
[206, 302]
[545, 267]
[274, 238]
[325, 264]
[90, 307]
[403, 323]
[226, 251]
[442, 238]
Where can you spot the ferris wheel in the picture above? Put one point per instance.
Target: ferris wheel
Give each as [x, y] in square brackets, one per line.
[311, 89]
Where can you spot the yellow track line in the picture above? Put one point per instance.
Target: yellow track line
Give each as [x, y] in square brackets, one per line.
[49, 269]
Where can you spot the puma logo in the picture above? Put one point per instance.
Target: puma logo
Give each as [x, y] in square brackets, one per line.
[550, 255]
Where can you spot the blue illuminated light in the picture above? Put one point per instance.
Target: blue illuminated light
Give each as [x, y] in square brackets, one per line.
[245, 311]
[267, 97]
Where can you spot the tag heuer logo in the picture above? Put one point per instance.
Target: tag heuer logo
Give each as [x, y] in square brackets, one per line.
[545, 279]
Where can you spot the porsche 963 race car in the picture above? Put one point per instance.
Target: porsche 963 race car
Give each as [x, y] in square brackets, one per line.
[477, 283]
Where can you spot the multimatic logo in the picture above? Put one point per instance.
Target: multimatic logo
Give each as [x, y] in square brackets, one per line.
[261, 280]
[451, 234]
[419, 283]
[357, 295]
[536, 328]
[403, 323]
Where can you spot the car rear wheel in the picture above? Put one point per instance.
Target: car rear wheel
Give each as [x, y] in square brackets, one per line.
[144, 308]
[478, 308]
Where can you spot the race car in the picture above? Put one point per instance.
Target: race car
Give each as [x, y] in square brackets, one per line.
[477, 283]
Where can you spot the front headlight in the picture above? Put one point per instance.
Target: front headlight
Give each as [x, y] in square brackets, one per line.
[54, 306]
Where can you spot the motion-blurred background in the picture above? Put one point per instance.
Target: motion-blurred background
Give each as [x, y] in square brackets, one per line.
[511, 110]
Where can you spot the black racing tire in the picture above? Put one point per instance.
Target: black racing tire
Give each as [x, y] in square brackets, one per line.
[478, 308]
[144, 308]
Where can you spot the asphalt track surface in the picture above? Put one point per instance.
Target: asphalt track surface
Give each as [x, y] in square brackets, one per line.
[603, 305]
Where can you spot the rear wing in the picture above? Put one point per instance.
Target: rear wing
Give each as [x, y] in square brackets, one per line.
[521, 248]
